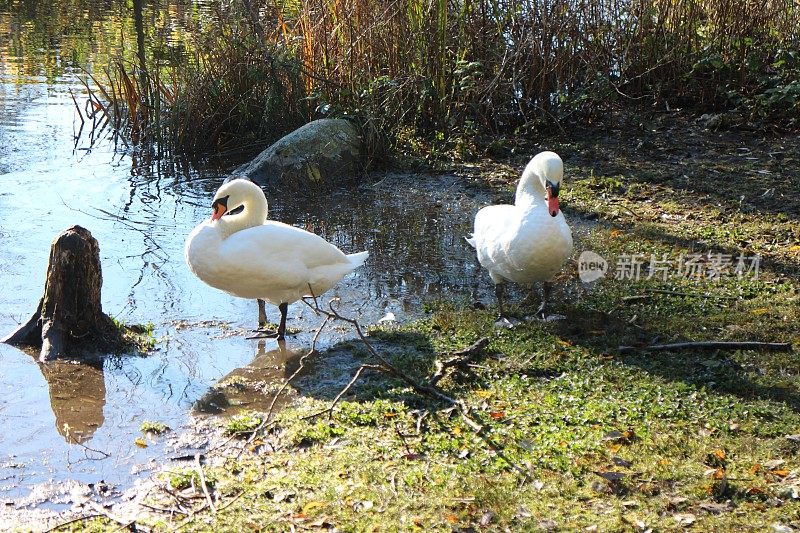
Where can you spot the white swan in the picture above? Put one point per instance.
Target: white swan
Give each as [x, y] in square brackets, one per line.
[246, 255]
[530, 240]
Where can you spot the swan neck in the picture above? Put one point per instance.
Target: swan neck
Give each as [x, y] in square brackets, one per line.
[530, 190]
[253, 214]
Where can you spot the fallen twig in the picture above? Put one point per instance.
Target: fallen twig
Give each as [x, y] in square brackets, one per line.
[124, 524]
[203, 484]
[460, 358]
[711, 345]
[329, 410]
[74, 520]
[690, 294]
[426, 389]
[268, 416]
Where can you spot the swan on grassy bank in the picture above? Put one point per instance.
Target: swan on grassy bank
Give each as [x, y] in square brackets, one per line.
[529, 241]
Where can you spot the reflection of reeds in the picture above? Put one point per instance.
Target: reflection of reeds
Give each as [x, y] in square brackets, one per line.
[435, 66]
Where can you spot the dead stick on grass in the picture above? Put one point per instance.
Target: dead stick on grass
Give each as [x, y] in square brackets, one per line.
[711, 345]
[203, 484]
[460, 358]
[270, 410]
[188, 520]
[428, 390]
[329, 410]
[74, 520]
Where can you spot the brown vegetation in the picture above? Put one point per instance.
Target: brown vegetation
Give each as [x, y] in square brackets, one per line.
[436, 68]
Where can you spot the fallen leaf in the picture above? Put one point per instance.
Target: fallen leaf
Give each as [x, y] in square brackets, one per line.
[497, 415]
[716, 508]
[140, 442]
[483, 393]
[773, 464]
[312, 505]
[760, 311]
[451, 518]
[611, 476]
[678, 502]
[619, 461]
[612, 435]
[779, 473]
[685, 519]
[615, 233]
[754, 491]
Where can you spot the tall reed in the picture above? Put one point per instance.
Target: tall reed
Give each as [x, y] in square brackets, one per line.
[474, 66]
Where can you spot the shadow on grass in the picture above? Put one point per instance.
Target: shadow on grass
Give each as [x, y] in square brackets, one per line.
[718, 371]
[324, 374]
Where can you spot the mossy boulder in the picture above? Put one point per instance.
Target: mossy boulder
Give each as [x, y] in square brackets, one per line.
[322, 155]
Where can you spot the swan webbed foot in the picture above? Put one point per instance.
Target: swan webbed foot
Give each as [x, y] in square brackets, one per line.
[264, 333]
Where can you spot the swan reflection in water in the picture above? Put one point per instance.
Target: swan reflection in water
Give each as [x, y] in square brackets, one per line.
[77, 397]
[252, 387]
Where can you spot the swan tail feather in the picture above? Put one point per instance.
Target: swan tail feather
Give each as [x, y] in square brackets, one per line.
[357, 259]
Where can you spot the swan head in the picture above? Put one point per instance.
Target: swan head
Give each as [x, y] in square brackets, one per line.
[235, 194]
[545, 173]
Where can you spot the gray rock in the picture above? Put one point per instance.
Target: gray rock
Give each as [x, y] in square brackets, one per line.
[321, 155]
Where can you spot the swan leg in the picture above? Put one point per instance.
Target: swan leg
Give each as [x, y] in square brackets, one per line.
[499, 292]
[547, 287]
[284, 308]
[262, 314]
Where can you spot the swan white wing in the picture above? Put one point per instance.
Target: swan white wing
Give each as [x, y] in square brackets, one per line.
[277, 262]
[494, 229]
[519, 244]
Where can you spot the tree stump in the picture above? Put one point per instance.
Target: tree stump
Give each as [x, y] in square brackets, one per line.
[69, 320]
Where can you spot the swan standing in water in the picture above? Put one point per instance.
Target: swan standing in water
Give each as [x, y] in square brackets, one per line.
[530, 240]
[248, 256]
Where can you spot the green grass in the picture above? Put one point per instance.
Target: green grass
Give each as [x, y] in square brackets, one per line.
[617, 442]
[157, 428]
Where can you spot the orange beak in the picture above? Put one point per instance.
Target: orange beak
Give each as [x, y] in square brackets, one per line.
[219, 210]
[552, 205]
[552, 199]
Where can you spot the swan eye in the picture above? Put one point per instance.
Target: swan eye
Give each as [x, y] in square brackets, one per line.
[220, 202]
[553, 188]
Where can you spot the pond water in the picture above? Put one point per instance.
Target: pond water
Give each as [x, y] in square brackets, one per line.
[66, 421]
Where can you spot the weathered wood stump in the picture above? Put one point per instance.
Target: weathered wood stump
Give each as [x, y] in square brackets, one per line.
[69, 320]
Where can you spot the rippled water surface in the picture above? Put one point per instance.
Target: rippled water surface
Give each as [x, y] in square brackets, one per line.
[79, 422]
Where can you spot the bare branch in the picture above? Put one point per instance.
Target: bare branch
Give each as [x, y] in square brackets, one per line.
[203, 484]
[711, 345]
